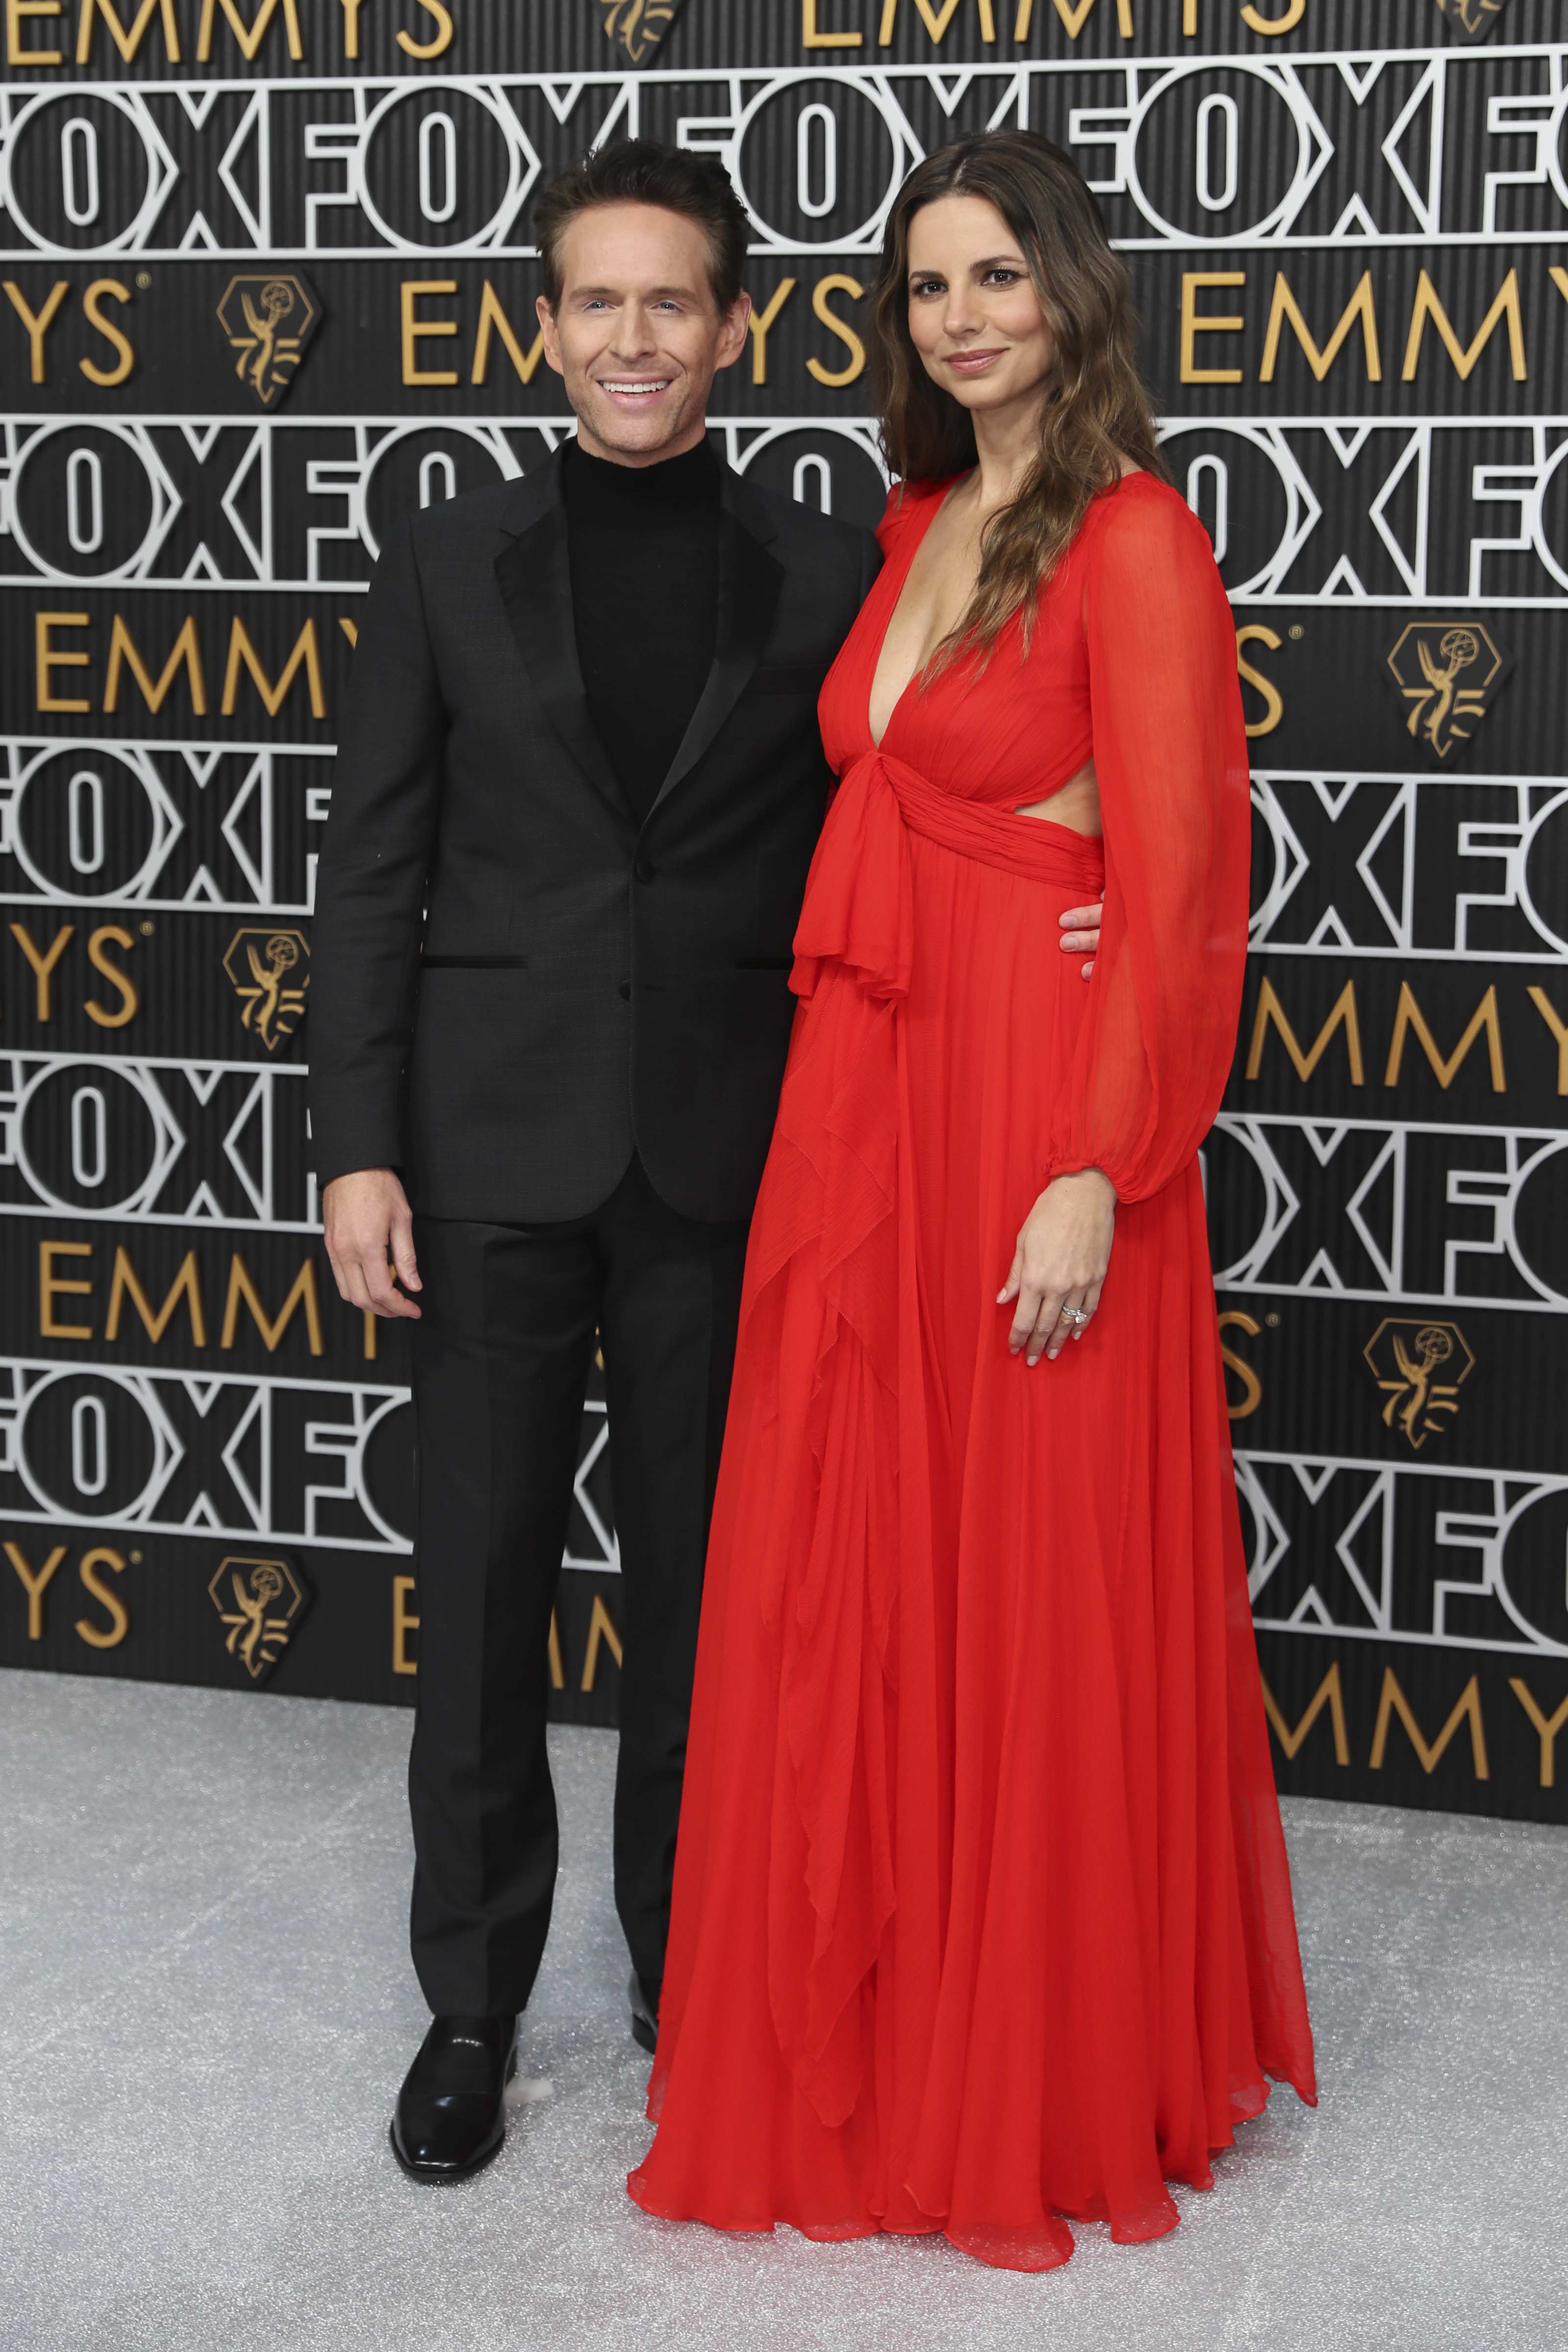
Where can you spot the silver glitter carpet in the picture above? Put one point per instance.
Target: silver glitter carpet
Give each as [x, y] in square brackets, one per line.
[208, 2007]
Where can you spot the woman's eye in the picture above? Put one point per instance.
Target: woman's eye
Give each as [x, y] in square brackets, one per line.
[925, 286]
[1002, 277]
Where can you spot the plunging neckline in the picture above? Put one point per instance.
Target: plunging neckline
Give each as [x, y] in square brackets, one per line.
[914, 678]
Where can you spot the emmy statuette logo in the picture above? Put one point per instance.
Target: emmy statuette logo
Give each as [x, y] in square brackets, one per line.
[259, 963]
[636, 27]
[1449, 673]
[268, 320]
[1405, 1360]
[260, 1602]
[1473, 19]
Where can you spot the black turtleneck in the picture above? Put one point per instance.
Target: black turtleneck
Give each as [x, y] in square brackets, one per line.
[643, 542]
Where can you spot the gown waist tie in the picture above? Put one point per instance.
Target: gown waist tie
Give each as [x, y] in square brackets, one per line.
[858, 908]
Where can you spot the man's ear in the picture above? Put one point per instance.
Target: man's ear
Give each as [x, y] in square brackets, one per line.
[546, 318]
[732, 333]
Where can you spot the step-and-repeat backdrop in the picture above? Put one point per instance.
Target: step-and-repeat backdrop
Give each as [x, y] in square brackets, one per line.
[267, 281]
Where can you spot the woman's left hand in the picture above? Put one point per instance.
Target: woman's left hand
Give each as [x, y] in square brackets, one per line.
[1061, 1264]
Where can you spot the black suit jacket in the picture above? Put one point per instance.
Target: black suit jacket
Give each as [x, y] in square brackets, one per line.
[512, 987]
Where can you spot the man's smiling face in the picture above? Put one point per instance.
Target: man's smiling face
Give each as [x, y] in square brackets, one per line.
[636, 334]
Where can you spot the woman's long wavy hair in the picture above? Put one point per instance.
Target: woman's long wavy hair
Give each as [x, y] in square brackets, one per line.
[1099, 412]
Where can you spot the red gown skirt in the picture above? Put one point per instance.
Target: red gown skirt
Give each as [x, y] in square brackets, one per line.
[982, 1910]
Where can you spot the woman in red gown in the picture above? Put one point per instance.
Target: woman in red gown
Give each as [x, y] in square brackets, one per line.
[982, 1912]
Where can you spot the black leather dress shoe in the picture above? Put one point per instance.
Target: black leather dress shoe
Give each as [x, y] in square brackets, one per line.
[449, 2120]
[643, 1994]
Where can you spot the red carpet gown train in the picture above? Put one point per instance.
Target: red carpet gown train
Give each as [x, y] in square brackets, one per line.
[981, 1913]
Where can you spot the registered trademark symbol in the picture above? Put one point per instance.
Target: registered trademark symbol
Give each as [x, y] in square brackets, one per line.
[1297, 630]
[147, 929]
[1272, 1321]
[144, 279]
[136, 1559]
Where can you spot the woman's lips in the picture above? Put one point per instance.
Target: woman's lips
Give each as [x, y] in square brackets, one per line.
[971, 362]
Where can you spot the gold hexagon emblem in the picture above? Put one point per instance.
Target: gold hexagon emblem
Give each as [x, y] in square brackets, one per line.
[1405, 1357]
[260, 1602]
[268, 320]
[259, 963]
[1449, 673]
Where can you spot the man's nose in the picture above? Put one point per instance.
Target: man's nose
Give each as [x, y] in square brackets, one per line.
[634, 336]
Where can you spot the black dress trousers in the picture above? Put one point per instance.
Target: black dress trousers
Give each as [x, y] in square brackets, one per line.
[500, 1361]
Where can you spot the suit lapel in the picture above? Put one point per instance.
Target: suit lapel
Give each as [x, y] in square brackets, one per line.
[534, 574]
[750, 580]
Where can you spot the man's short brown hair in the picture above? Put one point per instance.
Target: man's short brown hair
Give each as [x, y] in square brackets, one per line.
[648, 172]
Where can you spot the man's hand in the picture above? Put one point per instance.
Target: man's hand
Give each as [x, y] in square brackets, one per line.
[366, 1218]
[1081, 932]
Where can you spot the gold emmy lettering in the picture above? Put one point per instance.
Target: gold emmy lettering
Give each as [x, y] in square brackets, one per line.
[1409, 1016]
[123, 650]
[249, 36]
[1252, 1386]
[48, 659]
[1284, 308]
[760, 321]
[303, 1294]
[99, 943]
[35, 1583]
[15, 55]
[936, 24]
[1329, 1694]
[1195, 324]
[1559, 1029]
[1273, 700]
[557, 1671]
[37, 326]
[402, 1624]
[126, 42]
[1294, 12]
[811, 37]
[186, 1284]
[1270, 1011]
[96, 1636]
[43, 961]
[101, 289]
[599, 1627]
[307, 650]
[1468, 1705]
[1427, 306]
[1547, 1727]
[52, 1285]
[837, 283]
[493, 319]
[440, 41]
[350, 26]
[415, 289]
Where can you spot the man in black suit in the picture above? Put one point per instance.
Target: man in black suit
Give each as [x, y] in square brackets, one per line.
[578, 789]
[577, 793]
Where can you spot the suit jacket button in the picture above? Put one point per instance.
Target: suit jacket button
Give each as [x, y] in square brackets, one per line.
[625, 992]
[645, 869]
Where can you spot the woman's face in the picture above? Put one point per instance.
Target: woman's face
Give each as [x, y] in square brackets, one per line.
[974, 317]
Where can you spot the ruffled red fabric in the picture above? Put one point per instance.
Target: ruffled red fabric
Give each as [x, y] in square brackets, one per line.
[982, 1912]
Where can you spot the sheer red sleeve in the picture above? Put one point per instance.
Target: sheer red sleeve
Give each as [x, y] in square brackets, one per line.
[1170, 755]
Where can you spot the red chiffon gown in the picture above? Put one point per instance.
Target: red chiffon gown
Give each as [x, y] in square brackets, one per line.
[982, 1911]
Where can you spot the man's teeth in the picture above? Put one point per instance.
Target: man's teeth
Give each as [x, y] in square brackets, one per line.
[641, 384]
